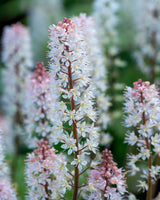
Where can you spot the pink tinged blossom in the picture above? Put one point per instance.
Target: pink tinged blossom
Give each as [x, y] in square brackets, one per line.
[17, 58]
[39, 100]
[6, 190]
[145, 102]
[106, 180]
[46, 173]
[16, 46]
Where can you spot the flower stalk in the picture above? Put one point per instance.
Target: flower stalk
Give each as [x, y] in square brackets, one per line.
[142, 109]
[72, 86]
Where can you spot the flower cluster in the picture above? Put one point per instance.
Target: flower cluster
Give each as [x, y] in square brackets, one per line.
[142, 108]
[69, 65]
[72, 83]
[88, 26]
[105, 13]
[106, 181]
[39, 101]
[106, 19]
[147, 37]
[6, 189]
[16, 48]
[45, 173]
[16, 55]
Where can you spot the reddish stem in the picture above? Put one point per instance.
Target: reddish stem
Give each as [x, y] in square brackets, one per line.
[46, 184]
[75, 135]
[149, 192]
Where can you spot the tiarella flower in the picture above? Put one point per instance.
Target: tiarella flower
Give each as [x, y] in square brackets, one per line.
[155, 141]
[39, 101]
[46, 174]
[155, 172]
[88, 25]
[131, 138]
[132, 159]
[106, 181]
[17, 57]
[6, 189]
[80, 161]
[144, 153]
[142, 185]
[106, 18]
[69, 143]
[97, 65]
[74, 100]
[146, 109]
[147, 37]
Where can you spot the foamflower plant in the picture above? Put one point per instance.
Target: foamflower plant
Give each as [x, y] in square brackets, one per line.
[7, 191]
[45, 173]
[38, 102]
[147, 41]
[142, 109]
[17, 58]
[106, 181]
[73, 111]
[99, 71]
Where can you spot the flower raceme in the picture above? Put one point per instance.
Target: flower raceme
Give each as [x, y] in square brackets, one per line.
[6, 189]
[88, 26]
[16, 45]
[105, 13]
[17, 57]
[38, 102]
[45, 173]
[106, 181]
[71, 84]
[142, 109]
[147, 37]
